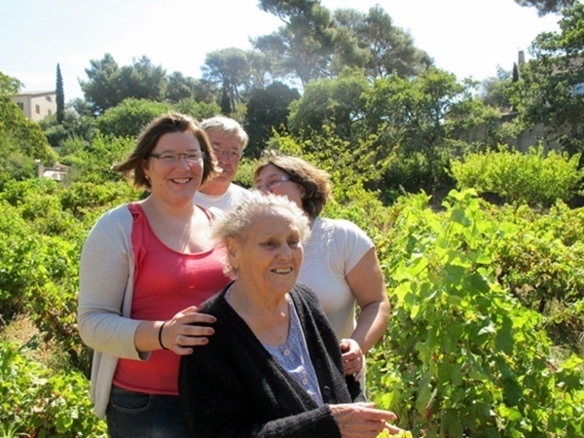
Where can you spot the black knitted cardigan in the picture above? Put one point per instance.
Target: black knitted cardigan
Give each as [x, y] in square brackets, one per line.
[233, 387]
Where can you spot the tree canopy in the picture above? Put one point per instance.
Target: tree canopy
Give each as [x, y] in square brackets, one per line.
[548, 6]
[108, 84]
[550, 91]
[314, 43]
[388, 49]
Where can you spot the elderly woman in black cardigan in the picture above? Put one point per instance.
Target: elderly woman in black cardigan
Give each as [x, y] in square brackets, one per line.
[273, 366]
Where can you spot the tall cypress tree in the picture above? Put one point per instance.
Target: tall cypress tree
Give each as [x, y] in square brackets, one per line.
[515, 76]
[60, 97]
[225, 100]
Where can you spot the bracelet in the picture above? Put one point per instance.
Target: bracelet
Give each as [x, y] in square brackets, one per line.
[160, 335]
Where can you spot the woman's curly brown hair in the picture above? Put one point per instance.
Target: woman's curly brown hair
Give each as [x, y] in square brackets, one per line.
[316, 182]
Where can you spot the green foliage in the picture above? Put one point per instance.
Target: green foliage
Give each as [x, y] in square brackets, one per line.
[93, 163]
[71, 146]
[52, 297]
[60, 96]
[43, 229]
[18, 135]
[180, 88]
[108, 85]
[421, 124]
[9, 85]
[461, 354]
[245, 172]
[550, 92]
[494, 90]
[82, 198]
[73, 125]
[314, 43]
[412, 113]
[387, 49]
[351, 165]
[42, 403]
[196, 109]
[541, 264]
[267, 110]
[305, 44]
[524, 178]
[547, 6]
[17, 244]
[129, 117]
[405, 174]
[15, 166]
[39, 204]
[327, 102]
[230, 69]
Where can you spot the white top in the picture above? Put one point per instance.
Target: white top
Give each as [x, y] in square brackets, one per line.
[334, 248]
[219, 204]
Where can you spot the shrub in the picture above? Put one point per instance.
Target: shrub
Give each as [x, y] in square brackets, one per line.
[461, 354]
[541, 264]
[82, 197]
[524, 178]
[129, 117]
[51, 297]
[38, 402]
[94, 162]
[17, 244]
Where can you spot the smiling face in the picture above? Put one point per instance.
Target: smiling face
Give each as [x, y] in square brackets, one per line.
[174, 182]
[228, 151]
[269, 256]
[274, 180]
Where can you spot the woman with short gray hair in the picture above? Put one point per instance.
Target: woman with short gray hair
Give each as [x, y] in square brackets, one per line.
[273, 366]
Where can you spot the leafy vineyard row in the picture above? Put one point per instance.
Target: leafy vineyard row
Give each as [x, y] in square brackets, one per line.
[487, 320]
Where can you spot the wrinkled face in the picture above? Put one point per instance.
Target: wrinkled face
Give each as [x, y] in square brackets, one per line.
[276, 181]
[228, 152]
[269, 257]
[175, 178]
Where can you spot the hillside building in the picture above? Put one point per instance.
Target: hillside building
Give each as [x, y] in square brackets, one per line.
[37, 104]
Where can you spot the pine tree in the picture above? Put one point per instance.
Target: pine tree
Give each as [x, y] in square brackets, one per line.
[60, 97]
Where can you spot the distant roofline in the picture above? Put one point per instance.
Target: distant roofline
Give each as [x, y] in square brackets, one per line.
[36, 93]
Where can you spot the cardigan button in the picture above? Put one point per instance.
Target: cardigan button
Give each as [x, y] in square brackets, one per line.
[327, 392]
[318, 363]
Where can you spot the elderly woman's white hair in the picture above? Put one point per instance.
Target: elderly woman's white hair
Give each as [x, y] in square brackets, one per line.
[237, 222]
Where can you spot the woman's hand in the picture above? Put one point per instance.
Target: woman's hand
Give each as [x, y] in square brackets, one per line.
[352, 357]
[181, 333]
[362, 420]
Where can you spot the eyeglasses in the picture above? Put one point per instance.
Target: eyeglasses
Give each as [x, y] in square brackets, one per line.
[272, 182]
[191, 157]
[232, 154]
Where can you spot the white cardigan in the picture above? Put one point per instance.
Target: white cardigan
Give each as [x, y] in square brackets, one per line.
[106, 282]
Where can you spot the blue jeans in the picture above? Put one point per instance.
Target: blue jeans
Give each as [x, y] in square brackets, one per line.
[135, 414]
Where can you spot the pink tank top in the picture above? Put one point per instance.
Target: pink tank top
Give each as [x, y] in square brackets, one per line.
[166, 282]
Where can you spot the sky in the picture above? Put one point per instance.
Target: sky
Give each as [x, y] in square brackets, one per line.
[469, 38]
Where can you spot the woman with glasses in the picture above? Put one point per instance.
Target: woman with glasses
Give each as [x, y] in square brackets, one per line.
[145, 267]
[340, 262]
